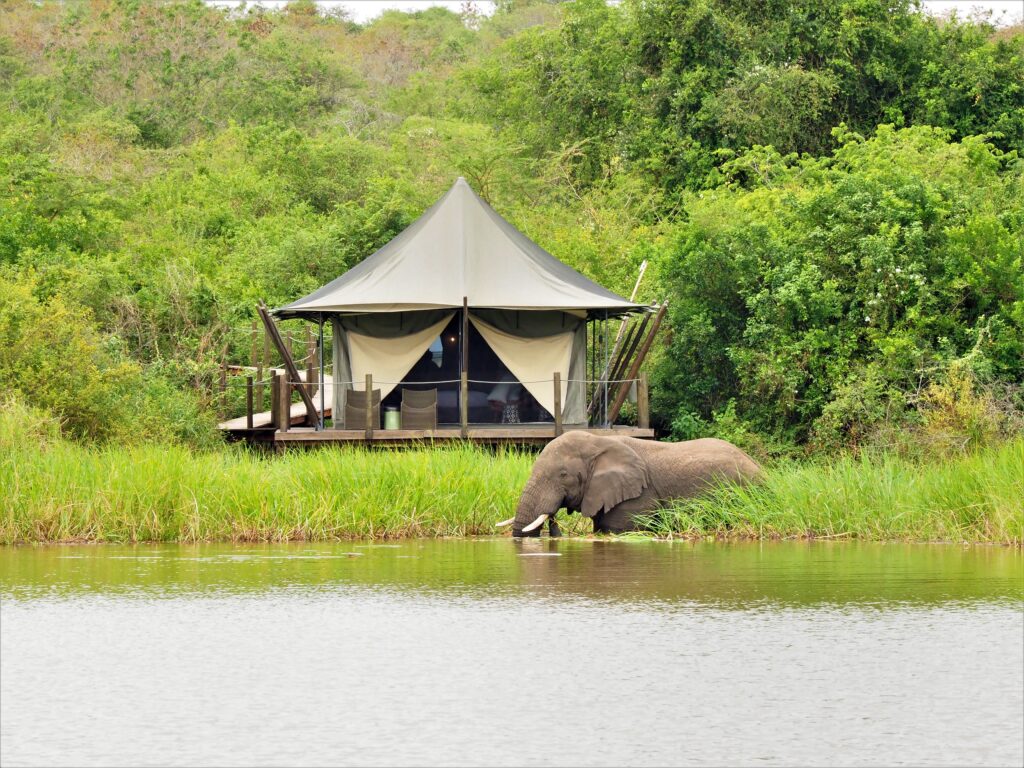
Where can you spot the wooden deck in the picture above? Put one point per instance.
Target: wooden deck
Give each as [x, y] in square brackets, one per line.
[491, 434]
[264, 432]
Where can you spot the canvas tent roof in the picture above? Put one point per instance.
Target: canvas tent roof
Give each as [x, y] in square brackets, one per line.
[459, 247]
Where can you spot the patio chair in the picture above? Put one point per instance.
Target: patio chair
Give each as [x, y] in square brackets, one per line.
[355, 409]
[419, 409]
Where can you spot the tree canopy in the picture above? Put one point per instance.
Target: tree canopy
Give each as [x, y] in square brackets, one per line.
[831, 193]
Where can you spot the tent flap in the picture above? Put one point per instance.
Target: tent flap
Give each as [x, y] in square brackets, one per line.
[388, 358]
[533, 361]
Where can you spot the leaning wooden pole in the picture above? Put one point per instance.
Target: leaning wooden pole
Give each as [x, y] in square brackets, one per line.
[620, 397]
[289, 363]
[606, 373]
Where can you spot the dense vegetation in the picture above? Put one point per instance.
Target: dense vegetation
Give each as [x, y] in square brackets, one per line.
[58, 490]
[831, 194]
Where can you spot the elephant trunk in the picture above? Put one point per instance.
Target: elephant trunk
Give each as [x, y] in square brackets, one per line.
[534, 502]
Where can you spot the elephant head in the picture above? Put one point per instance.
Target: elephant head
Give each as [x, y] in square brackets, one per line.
[582, 472]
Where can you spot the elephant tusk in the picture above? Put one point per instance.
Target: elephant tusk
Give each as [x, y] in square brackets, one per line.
[536, 523]
[503, 523]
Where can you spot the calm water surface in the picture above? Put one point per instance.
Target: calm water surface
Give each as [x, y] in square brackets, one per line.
[504, 653]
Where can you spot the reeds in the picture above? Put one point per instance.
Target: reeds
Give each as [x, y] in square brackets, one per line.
[70, 492]
[977, 498]
[52, 489]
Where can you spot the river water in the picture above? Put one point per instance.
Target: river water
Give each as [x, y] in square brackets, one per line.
[496, 652]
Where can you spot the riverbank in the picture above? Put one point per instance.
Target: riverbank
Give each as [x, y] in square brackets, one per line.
[56, 490]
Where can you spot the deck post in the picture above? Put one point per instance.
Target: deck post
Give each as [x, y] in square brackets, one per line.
[558, 403]
[275, 400]
[643, 406]
[464, 404]
[248, 402]
[284, 408]
[369, 407]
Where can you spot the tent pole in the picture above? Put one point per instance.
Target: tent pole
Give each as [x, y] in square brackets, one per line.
[321, 356]
[604, 364]
[464, 370]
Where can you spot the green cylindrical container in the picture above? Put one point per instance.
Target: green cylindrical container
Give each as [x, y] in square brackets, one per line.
[392, 418]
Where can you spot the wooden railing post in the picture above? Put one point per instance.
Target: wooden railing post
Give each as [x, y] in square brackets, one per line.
[248, 402]
[284, 408]
[464, 405]
[643, 404]
[558, 404]
[369, 406]
[275, 399]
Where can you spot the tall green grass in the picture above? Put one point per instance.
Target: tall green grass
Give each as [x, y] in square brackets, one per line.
[52, 489]
[976, 498]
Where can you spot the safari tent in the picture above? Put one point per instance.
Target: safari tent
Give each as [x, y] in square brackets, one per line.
[465, 307]
[462, 317]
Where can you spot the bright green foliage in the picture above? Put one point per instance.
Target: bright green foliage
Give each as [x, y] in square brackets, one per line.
[818, 296]
[51, 356]
[165, 165]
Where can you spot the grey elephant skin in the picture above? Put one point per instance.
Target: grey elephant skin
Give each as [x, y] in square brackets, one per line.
[614, 479]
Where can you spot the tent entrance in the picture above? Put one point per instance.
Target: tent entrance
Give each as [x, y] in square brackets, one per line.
[495, 395]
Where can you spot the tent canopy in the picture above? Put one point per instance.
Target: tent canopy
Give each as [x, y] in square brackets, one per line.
[460, 248]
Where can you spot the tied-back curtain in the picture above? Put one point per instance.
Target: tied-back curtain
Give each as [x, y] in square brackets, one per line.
[385, 346]
[389, 359]
[532, 360]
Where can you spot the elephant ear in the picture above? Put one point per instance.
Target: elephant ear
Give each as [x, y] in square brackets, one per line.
[618, 474]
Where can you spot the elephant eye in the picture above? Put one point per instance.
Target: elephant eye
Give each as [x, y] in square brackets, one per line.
[564, 472]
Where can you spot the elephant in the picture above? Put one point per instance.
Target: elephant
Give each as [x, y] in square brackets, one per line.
[614, 479]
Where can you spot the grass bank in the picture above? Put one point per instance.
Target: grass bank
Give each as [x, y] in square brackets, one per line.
[53, 490]
[976, 498]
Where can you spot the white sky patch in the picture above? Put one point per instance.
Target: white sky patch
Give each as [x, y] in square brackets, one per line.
[1003, 12]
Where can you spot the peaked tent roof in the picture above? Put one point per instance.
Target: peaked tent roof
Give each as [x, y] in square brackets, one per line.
[459, 247]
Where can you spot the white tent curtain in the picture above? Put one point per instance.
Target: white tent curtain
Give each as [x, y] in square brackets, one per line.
[575, 400]
[532, 361]
[341, 371]
[386, 346]
[389, 359]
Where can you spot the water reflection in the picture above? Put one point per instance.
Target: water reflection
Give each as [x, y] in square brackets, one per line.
[734, 575]
[511, 653]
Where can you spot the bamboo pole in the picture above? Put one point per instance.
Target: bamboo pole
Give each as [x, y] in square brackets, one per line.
[289, 363]
[620, 398]
[622, 326]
